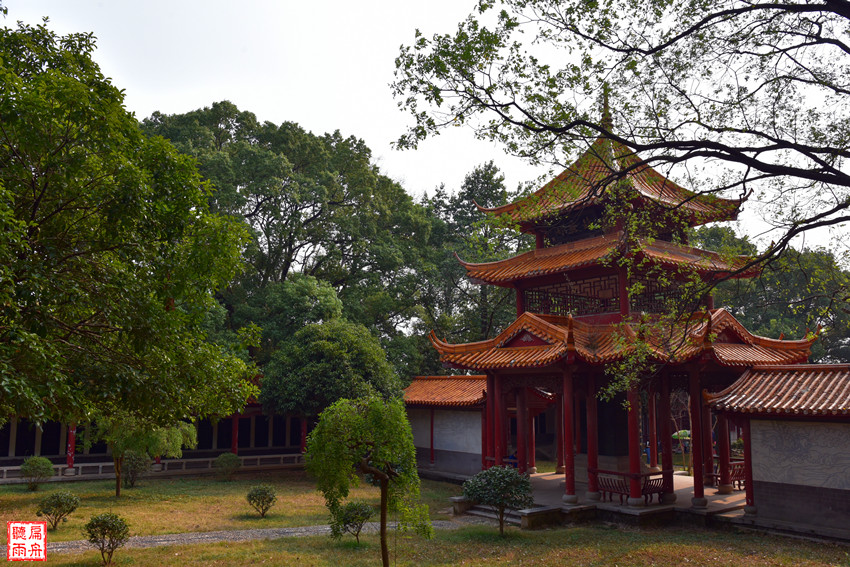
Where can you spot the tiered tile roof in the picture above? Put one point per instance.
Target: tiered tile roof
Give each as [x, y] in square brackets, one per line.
[446, 391]
[811, 390]
[602, 343]
[602, 250]
[587, 181]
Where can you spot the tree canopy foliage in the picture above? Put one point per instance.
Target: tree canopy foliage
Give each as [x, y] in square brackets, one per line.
[454, 307]
[324, 362]
[747, 96]
[801, 292]
[315, 206]
[108, 252]
[370, 437]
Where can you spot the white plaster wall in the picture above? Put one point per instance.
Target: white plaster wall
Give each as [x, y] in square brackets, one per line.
[803, 453]
[420, 423]
[457, 431]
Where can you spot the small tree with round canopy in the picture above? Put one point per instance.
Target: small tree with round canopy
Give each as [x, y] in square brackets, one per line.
[371, 437]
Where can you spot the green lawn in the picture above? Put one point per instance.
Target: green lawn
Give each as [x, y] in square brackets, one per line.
[481, 546]
[161, 506]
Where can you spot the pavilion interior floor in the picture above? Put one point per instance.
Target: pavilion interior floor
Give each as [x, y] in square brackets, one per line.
[549, 488]
[721, 509]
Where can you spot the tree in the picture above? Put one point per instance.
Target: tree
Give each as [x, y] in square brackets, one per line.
[123, 432]
[108, 250]
[747, 96]
[798, 293]
[372, 437]
[323, 363]
[502, 488]
[315, 206]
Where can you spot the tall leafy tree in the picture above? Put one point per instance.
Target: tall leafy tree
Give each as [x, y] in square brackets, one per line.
[749, 95]
[452, 305]
[109, 252]
[800, 292]
[315, 206]
[323, 363]
[369, 437]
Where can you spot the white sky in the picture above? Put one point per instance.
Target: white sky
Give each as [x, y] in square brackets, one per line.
[325, 64]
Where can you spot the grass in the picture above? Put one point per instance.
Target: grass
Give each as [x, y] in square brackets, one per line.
[200, 504]
[595, 545]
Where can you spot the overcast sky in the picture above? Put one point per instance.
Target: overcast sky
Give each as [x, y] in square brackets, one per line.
[326, 65]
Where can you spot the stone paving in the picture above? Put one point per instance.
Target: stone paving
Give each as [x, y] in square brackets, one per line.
[220, 536]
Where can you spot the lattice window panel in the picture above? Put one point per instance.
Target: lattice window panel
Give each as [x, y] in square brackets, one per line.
[655, 297]
[591, 296]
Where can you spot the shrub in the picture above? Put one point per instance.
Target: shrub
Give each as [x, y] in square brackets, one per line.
[350, 518]
[227, 464]
[57, 506]
[107, 532]
[36, 470]
[262, 497]
[135, 466]
[502, 488]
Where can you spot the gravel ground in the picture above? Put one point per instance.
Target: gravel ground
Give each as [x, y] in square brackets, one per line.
[235, 535]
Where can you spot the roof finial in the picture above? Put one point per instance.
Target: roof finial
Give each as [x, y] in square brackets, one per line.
[607, 121]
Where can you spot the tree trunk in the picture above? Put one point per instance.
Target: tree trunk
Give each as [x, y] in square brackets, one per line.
[117, 462]
[385, 489]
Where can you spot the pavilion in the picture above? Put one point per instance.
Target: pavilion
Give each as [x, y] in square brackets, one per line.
[611, 257]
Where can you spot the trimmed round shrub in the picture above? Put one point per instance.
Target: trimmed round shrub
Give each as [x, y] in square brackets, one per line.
[227, 464]
[262, 498]
[350, 519]
[57, 506]
[107, 532]
[136, 465]
[502, 488]
[36, 470]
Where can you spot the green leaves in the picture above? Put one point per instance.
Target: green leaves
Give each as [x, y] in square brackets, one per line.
[322, 363]
[370, 435]
[109, 253]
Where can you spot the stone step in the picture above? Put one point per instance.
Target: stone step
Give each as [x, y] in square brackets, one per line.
[511, 516]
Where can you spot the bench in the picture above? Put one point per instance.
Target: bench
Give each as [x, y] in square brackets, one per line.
[613, 482]
[737, 475]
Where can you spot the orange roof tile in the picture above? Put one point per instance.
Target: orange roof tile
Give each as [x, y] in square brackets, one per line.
[602, 343]
[586, 181]
[805, 390]
[446, 391]
[595, 251]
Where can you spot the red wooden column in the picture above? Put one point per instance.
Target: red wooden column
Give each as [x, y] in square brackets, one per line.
[521, 428]
[750, 507]
[490, 404]
[532, 445]
[70, 449]
[635, 497]
[653, 431]
[592, 442]
[431, 454]
[707, 448]
[698, 500]
[569, 496]
[234, 434]
[303, 434]
[577, 423]
[725, 454]
[559, 435]
[666, 439]
[484, 445]
[498, 421]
